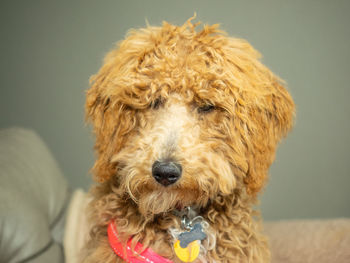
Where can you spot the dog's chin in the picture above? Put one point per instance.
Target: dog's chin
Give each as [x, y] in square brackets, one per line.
[157, 202]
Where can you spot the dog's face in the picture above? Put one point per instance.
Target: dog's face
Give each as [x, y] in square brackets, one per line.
[182, 117]
[176, 156]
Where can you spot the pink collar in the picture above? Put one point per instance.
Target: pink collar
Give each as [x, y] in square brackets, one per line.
[132, 256]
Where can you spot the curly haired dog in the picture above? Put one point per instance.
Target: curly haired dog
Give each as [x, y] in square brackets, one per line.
[186, 126]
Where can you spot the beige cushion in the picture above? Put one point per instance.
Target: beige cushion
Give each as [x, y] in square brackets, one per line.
[76, 230]
[310, 241]
[33, 194]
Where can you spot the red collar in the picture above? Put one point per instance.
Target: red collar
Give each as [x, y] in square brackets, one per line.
[127, 254]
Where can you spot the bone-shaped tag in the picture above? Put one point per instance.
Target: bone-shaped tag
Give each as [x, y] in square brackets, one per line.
[196, 233]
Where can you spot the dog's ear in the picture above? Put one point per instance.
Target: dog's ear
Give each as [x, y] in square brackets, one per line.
[111, 119]
[264, 108]
[115, 95]
[98, 113]
[273, 116]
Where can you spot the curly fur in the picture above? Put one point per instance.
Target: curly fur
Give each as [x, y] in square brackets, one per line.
[145, 104]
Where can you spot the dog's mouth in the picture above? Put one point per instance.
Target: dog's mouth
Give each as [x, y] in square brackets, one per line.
[179, 206]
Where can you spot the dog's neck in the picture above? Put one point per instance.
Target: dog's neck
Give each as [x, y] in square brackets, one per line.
[219, 213]
[187, 213]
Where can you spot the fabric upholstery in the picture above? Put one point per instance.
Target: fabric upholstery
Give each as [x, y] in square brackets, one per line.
[310, 241]
[34, 196]
[76, 229]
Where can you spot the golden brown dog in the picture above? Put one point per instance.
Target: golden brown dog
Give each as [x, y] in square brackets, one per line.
[186, 123]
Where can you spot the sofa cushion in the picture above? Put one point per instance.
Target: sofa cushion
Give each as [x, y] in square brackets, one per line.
[34, 195]
[319, 241]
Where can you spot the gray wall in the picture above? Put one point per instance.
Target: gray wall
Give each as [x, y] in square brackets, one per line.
[50, 48]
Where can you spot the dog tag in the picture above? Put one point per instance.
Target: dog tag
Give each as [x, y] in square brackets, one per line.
[196, 233]
[187, 246]
[188, 254]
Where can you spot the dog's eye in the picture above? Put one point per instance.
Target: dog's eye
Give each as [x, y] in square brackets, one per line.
[156, 103]
[206, 108]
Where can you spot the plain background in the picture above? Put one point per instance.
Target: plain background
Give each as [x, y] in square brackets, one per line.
[49, 49]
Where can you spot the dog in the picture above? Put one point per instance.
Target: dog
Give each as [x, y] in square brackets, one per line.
[186, 121]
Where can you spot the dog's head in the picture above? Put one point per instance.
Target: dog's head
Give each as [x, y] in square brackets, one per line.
[182, 116]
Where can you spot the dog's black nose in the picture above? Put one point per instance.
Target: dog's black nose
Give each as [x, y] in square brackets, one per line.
[167, 172]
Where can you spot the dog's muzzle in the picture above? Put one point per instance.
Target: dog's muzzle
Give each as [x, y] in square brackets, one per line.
[166, 172]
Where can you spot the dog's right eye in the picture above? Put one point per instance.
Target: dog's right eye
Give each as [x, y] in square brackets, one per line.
[156, 103]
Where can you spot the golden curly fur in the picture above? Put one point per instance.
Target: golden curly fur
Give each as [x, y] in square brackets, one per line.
[198, 97]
